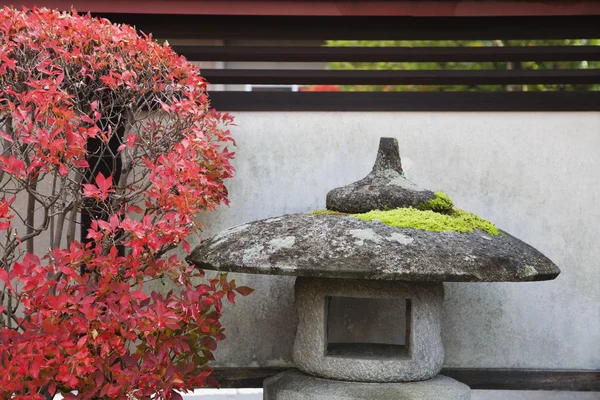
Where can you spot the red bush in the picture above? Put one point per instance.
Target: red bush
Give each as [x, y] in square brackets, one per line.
[98, 120]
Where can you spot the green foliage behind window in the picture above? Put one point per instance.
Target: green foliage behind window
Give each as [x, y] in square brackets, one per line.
[463, 65]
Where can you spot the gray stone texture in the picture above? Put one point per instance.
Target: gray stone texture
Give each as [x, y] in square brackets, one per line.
[294, 385]
[533, 174]
[338, 246]
[384, 363]
[384, 188]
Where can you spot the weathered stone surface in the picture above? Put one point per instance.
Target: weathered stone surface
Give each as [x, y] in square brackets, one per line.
[294, 385]
[422, 356]
[384, 188]
[336, 246]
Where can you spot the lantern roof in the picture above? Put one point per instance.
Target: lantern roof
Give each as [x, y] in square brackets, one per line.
[382, 227]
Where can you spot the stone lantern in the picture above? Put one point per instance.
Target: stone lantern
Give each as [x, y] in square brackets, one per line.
[382, 241]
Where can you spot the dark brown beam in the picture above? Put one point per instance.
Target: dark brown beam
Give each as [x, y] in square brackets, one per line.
[361, 28]
[329, 7]
[246, 378]
[401, 77]
[390, 54]
[479, 378]
[526, 379]
[406, 101]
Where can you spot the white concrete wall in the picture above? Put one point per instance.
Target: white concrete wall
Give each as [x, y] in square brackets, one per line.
[534, 174]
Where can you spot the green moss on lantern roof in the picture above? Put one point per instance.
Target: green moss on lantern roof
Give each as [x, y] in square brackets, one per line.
[435, 215]
[455, 220]
[441, 204]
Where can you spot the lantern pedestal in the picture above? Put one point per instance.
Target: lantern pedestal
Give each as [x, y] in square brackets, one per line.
[347, 352]
[294, 385]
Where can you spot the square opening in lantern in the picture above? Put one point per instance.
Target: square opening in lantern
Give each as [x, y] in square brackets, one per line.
[368, 327]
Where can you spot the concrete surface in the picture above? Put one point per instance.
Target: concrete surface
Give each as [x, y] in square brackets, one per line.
[294, 385]
[256, 394]
[532, 395]
[533, 174]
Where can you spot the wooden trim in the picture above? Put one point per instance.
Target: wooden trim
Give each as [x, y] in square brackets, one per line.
[400, 77]
[406, 101]
[476, 378]
[371, 28]
[527, 379]
[327, 7]
[390, 54]
[246, 378]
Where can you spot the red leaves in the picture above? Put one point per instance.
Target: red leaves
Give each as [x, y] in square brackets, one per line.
[231, 297]
[6, 137]
[321, 88]
[13, 166]
[104, 184]
[5, 212]
[244, 290]
[186, 246]
[176, 396]
[35, 369]
[139, 295]
[101, 189]
[52, 388]
[9, 62]
[89, 324]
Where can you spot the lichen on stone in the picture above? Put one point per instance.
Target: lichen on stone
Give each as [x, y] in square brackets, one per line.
[400, 238]
[362, 235]
[441, 204]
[527, 271]
[252, 253]
[456, 220]
[286, 242]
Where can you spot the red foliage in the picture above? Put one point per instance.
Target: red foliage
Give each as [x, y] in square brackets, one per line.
[321, 88]
[78, 318]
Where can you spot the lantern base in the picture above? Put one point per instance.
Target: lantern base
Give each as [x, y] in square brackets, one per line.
[295, 385]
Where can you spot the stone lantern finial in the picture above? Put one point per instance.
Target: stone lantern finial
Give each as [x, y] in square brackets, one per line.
[388, 156]
[385, 187]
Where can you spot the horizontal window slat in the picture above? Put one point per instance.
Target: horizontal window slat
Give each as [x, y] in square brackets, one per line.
[401, 77]
[406, 101]
[390, 54]
[361, 28]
